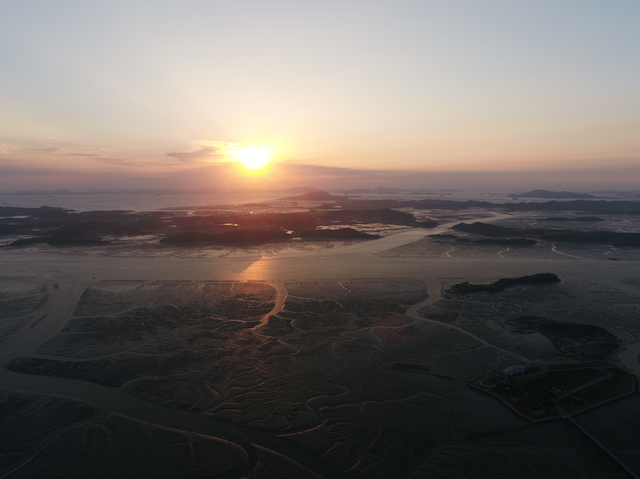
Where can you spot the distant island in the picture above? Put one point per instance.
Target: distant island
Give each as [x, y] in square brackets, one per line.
[314, 196]
[560, 195]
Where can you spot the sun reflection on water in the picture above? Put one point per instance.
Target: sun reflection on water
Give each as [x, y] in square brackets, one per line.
[255, 271]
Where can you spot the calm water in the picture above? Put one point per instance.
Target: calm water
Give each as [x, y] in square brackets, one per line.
[150, 202]
[134, 202]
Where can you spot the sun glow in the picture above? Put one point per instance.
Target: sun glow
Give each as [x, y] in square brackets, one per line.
[253, 158]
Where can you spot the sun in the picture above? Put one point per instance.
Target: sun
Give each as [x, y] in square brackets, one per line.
[253, 158]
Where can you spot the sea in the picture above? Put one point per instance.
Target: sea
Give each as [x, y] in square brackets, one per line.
[158, 201]
[134, 202]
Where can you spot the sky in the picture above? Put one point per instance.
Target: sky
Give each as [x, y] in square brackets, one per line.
[484, 94]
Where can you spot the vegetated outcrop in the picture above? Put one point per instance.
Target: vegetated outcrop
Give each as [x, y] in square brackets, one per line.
[582, 219]
[29, 241]
[581, 341]
[503, 283]
[381, 190]
[599, 207]
[443, 236]
[340, 233]
[57, 226]
[501, 241]
[77, 240]
[43, 212]
[426, 224]
[62, 239]
[368, 215]
[597, 237]
[231, 237]
[263, 236]
[569, 236]
[508, 241]
[485, 229]
[574, 340]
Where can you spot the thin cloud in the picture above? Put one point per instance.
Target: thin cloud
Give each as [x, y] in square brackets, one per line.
[129, 161]
[83, 151]
[94, 155]
[51, 149]
[87, 151]
[204, 151]
[329, 170]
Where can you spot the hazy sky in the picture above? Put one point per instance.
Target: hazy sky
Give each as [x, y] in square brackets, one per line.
[107, 89]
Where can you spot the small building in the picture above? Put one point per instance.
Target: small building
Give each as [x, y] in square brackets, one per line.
[513, 370]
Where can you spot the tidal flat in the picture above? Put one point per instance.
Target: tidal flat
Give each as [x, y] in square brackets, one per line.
[348, 361]
[357, 378]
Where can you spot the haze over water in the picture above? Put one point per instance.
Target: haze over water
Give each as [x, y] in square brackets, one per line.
[494, 95]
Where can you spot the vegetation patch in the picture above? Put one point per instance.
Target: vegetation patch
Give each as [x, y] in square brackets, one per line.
[341, 233]
[503, 283]
[501, 241]
[574, 340]
[598, 237]
[485, 229]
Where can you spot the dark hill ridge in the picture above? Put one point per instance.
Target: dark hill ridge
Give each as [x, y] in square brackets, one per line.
[560, 195]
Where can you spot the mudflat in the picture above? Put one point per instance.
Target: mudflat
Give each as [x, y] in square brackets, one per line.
[351, 361]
